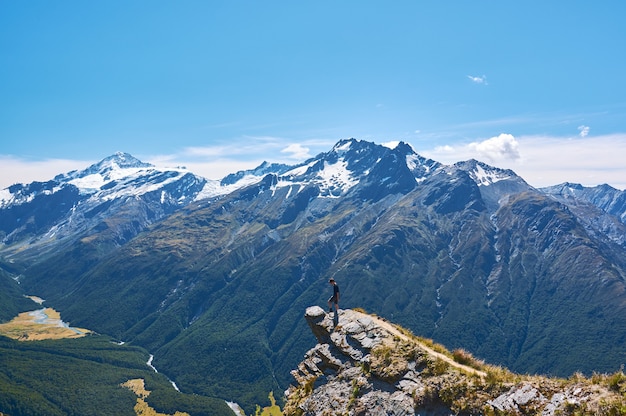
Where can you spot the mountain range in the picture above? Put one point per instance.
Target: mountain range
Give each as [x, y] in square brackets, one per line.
[212, 277]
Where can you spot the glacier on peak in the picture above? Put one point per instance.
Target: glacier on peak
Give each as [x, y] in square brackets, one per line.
[483, 174]
[119, 160]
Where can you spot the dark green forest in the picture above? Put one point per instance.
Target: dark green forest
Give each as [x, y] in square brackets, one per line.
[12, 302]
[83, 377]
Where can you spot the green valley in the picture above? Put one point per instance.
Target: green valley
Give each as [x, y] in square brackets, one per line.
[85, 376]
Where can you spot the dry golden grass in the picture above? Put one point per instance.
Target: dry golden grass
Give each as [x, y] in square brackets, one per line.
[137, 386]
[142, 408]
[25, 327]
[434, 350]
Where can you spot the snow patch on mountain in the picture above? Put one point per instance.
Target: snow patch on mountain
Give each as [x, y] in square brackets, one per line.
[297, 171]
[21, 194]
[5, 196]
[214, 188]
[333, 178]
[417, 165]
[336, 177]
[391, 145]
[343, 146]
[486, 178]
[483, 174]
[334, 172]
[97, 181]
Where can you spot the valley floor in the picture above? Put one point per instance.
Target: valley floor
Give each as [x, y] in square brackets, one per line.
[40, 324]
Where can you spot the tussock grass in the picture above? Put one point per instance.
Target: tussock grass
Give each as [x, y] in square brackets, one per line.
[464, 357]
[142, 408]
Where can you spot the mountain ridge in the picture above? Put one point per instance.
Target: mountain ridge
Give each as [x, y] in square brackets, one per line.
[364, 365]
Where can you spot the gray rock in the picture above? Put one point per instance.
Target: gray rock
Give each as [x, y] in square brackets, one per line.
[517, 396]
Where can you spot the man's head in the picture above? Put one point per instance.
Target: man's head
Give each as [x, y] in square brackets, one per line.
[331, 281]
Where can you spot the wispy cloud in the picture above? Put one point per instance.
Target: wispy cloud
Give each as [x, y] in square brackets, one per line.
[246, 152]
[22, 170]
[445, 149]
[588, 161]
[584, 130]
[478, 79]
[296, 151]
[212, 161]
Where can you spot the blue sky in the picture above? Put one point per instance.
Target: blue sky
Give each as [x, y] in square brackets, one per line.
[218, 86]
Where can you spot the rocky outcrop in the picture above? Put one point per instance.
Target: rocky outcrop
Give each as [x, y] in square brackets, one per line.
[363, 365]
[334, 372]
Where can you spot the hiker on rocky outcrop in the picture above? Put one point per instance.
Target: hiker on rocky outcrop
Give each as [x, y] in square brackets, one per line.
[334, 299]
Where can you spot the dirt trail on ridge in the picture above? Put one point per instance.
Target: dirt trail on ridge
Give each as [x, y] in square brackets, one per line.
[392, 329]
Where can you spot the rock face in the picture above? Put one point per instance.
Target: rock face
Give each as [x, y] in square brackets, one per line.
[363, 365]
[336, 368]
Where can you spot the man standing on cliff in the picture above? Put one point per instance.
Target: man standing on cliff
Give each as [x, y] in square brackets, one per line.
[334, 299]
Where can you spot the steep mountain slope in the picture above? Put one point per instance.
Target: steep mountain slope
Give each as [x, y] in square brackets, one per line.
[494, 183]
[601, 209]
[608, 199]
[468, 255]
[12, 300]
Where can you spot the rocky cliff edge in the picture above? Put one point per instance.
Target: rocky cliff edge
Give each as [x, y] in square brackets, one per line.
[364, 365]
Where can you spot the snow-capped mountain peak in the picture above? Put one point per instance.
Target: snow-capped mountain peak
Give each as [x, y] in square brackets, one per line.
[483, 174]
[336, 172]
[79, 201]
[119, 160]
[115, 167]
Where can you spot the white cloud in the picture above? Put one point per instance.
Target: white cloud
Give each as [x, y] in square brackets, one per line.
[589, 161]
[21, 170]
[247, 152]
[207, 151]
[548, 160]
[246, 145]
[445, 149]
[584, 130]
[478, 79]
[497, 148]
[296, 151]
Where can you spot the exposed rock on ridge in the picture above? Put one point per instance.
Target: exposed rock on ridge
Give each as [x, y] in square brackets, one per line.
[364, 365]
